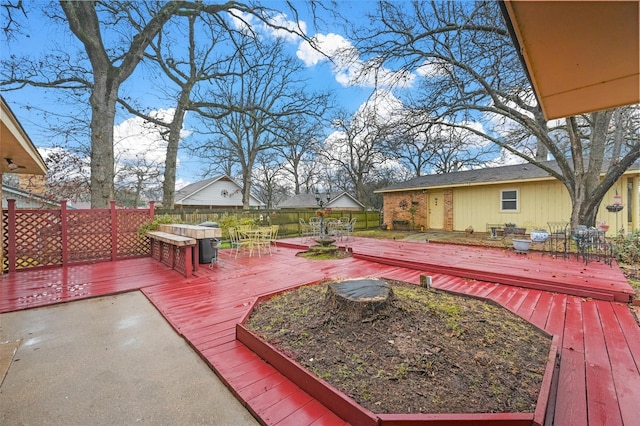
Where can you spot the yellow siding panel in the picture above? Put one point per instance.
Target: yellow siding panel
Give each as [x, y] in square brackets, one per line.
[539, 203]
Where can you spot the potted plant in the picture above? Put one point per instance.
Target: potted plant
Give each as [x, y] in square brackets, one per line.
[521, 245]
[511, 229]
[539, 235]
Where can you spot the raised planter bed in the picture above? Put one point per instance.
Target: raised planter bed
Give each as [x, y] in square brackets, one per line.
[352, 412]
[400, 225]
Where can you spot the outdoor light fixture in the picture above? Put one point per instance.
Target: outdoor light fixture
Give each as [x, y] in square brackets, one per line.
[321, 204]
[319, 199]
[11, 165]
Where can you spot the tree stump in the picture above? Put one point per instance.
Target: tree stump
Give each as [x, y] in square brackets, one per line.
[358, 299]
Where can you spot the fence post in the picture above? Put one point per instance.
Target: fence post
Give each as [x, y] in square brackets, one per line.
[11, 233]
[152, 209]
[114, 231]
[64, 228]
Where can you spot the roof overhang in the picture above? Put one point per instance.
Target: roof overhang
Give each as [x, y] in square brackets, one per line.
[581, 56]
[16, 146]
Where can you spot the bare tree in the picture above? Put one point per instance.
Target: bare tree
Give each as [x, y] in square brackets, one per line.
[67, 176]
[301, 140]
[190, 67]
[472, 72]
[263, 92]
[267, 181]
[354, 152]
[112, 60]
[136, 178]
[428, 148]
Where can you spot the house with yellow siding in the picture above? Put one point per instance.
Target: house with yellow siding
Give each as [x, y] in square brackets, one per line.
[522, 194]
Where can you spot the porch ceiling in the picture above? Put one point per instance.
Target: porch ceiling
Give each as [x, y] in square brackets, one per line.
[581, 56]
[16, 145]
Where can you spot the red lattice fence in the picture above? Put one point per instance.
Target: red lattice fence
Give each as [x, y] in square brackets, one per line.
[46, 237]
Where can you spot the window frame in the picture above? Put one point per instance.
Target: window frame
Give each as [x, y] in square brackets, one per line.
[503, 200]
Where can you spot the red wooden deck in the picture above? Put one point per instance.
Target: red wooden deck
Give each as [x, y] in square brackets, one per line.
[599, 378]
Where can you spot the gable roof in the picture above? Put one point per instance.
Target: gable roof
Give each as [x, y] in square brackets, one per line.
[26, 199]
[517, 172]
[308, 201]
[184, 193]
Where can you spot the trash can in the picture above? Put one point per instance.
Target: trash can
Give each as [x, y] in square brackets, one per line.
[208, 247]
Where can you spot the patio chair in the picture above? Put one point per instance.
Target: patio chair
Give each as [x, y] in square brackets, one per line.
[592, 244]
[274, 234]
[305, 230]
[238, 241]
[349, 228]
[558, 240]
[315, 224]
[334, 228]
[262, 240]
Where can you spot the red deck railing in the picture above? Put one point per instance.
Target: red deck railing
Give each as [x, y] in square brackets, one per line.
[37, 238]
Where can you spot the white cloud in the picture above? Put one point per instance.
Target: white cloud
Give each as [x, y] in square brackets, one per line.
[181, 183]
[432, 68]
[289, 28]
[347, 66]
[241, 21]
[137, 139]
[385, 105]
[285, 28]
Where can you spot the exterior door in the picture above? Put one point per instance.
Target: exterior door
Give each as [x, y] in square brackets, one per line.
[436, 210]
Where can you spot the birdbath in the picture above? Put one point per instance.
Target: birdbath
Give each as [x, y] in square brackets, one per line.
[325, 245]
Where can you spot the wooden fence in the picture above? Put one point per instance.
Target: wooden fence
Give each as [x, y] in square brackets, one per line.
[37, 238]
[288, 221]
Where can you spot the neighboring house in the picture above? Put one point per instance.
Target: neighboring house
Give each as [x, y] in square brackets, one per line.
[220, 192]
[522, 194]
[26, 200]
[339, 201]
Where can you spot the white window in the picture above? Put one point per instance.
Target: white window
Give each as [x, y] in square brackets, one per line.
[509, 200]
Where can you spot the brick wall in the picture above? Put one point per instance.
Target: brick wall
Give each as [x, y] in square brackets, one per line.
[448, 210]
[401, 205]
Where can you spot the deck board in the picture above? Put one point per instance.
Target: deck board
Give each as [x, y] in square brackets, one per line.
[556, 317]
[307, 414]
[571, 401]
[599, 377]
[533, 270]
[626, 377]
[601, 391]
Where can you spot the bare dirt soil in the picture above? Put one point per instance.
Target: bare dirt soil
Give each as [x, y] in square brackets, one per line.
[426, 352]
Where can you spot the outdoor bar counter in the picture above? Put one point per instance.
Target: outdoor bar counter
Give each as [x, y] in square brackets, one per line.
[203, 234]
[192, 231]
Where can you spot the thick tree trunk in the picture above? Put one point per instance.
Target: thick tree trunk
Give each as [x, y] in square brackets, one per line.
[103, 109]
[84, 23]
[359, 299]
[246, 191]
[171, 159]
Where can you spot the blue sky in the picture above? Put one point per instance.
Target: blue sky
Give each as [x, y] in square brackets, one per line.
[45, 36]
[133, 139]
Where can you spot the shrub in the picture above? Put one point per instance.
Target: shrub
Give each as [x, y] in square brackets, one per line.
[152, 225]
[628, 247]
[227, 221]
